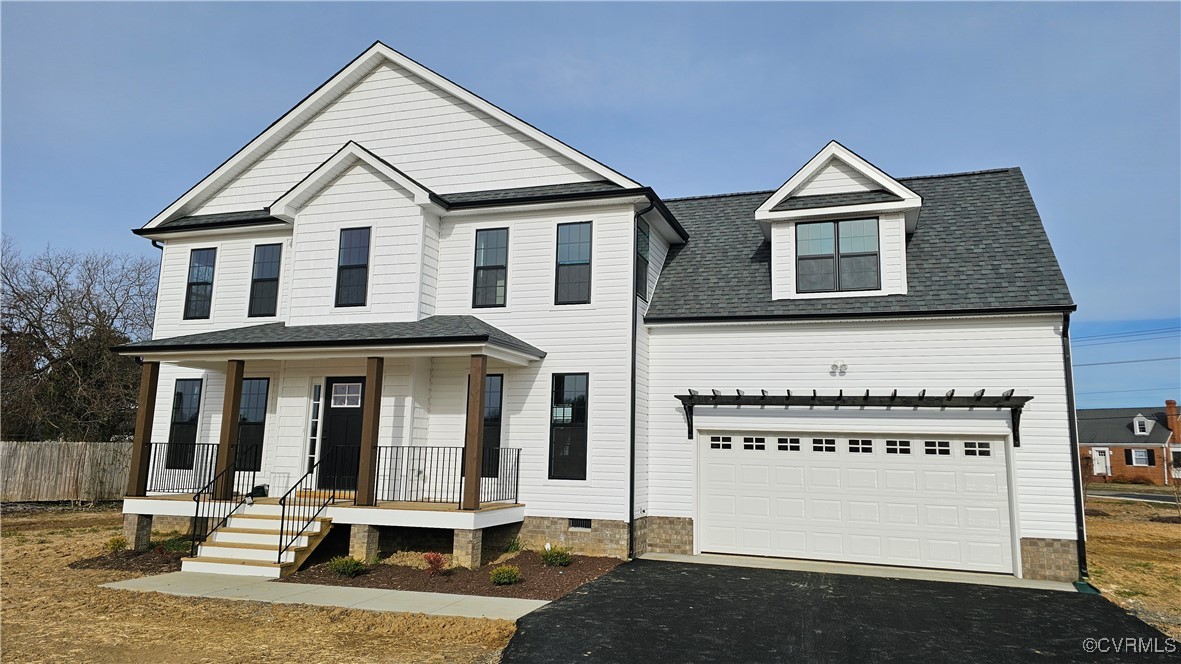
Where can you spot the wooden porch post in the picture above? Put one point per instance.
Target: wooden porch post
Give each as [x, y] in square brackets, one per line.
[370, 419]
[227, 445]
[141, 447]
[473, 442]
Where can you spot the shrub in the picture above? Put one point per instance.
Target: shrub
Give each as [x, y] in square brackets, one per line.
[514, 545]
[116, 544]
[505, 575]
[556, 556]
[346, 566]
[434, 562]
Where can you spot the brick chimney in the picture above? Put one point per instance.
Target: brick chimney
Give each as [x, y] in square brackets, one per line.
[1171, 414]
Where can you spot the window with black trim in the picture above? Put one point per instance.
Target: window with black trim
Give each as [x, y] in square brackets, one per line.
[938, 447]
[837, 256]
[252, 420]
[573, 283]
[182, 431]
[860, 446]
[199, 293]
[753, 443]
[824, 445]
[977, 449]
[643, 247]
[490, 282]
[897, 447]
[567, 442]
[789, 444]
[493, 398]
[352, 268]
[264, 280]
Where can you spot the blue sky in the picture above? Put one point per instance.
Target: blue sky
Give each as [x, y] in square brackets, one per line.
[110, 111]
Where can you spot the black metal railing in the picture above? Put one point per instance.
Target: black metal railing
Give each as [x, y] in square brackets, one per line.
[335, 473]
[423, 474]
[211, 511]
[181, 467]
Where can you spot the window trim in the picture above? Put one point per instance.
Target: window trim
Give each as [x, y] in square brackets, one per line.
[836, 256]
[339, 267]
[256, 280]
[331, 395]
[590, 263]
[1138, 422]
[189, 283]
[476, 267]
[550, 415]
[1140, 451]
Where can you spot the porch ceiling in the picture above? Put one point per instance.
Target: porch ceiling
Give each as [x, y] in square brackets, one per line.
[435, 336]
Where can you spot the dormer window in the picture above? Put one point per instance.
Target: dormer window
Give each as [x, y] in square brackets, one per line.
[1140, 425]
[837, 256]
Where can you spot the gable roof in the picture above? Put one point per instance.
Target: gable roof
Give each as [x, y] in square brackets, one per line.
[835, 200]
[340, 82]
[979, 247]
[1113, 426]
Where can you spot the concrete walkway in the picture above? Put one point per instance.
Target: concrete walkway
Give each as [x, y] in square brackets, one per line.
[227, 586]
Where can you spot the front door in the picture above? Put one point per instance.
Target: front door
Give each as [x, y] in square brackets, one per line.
[1100, 461]
[340, 451]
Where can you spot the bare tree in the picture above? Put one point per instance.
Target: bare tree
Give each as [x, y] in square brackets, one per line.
[61, 313]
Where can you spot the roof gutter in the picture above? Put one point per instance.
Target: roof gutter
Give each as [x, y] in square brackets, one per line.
[657, 320]
[1076, 470]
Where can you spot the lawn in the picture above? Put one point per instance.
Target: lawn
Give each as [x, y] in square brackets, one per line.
[51, 613]
[1136, 563]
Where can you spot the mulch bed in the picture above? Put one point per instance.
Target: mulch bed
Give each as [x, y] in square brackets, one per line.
[537, 580]
[152, 561]
[1165, 519]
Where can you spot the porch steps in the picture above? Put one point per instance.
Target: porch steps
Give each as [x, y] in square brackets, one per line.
[248, 545]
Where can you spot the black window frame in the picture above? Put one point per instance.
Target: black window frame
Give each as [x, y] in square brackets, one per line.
[257, 282]
[643, 257]
[193, 285]
[558, 264]
[342, 268]
[182, 433]
[248, 455]
[572, 427]
[836, 256]
[479, 269]
[493, 425]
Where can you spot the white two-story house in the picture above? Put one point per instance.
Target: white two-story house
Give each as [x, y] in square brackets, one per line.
[401, 307]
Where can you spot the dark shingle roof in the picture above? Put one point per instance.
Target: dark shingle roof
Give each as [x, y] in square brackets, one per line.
[223, 219]
[979, 245]
[434, 329]
[1097, 426]
[828, 200]
[531, 192]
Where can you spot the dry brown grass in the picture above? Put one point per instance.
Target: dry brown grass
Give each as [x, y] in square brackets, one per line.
[54, 614]
[1135, 562]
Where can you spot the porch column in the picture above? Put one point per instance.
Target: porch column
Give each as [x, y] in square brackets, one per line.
[141, 447]
[227, 445]
[370, 419]
[473, 442]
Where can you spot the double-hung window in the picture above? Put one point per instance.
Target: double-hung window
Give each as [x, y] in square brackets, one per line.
[643, 245]
[491, 278]
[567, 437]
[264, 280]
[574, 264]
[1142, 458]
[199, 294]
[352, 268]
[836, 256]
[182, 432]
[252, 419]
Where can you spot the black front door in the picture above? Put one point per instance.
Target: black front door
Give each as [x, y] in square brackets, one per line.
[340, 451]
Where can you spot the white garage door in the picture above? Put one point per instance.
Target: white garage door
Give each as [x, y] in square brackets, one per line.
[915, 501]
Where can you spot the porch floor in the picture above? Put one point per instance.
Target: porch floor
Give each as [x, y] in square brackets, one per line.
[383, 505]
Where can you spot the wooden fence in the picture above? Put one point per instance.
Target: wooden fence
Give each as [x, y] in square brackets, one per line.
[31, 471]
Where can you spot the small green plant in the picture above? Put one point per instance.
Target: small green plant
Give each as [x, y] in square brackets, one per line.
[346, 566]
[434, 562]
[514, 545]
[555, 556]
[117, 544]
[1129, 592]
[505, 575]
[174, 544]
[1147, 566]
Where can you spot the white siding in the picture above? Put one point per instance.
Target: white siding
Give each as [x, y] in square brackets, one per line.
[937, 355]
[658, 250]
[438, 140]
[359, 198]
[891, 260]
[231, 283]
[836, 177]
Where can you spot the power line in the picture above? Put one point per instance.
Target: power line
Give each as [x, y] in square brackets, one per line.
[1088, 344]
[1147, 359]
[1129, 333]
[1147, 389]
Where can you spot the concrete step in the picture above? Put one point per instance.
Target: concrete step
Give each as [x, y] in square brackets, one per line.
[212, 565]
[269, 524]
[261, 552]
[252, 536]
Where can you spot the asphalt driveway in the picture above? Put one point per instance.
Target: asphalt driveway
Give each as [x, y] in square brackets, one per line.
[666, 613]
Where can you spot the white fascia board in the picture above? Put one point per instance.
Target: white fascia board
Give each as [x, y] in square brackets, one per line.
[277, 228]
[509, 209]
[322, 96]
[352, 153]
[199, 356]
[832, 151]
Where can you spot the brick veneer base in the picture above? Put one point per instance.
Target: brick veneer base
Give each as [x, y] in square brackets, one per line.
[1049, 559]
[664, 534]
[604, 538]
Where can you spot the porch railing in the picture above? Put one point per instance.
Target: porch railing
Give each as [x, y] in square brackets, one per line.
[424, 474]
[330, 477]
[181, 467]
[210, 512]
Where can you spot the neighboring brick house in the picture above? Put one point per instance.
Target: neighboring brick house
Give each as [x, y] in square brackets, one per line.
[1129, 444]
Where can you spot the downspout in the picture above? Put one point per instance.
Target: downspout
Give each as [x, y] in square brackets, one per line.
[631, 485]
[1080, 529]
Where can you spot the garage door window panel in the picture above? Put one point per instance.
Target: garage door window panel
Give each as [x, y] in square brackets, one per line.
[938, 447]
[751, 443]
[824, 445]
[860, 446]
[897, 447]
[977, 449]
[719, 442]
[789, 444]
